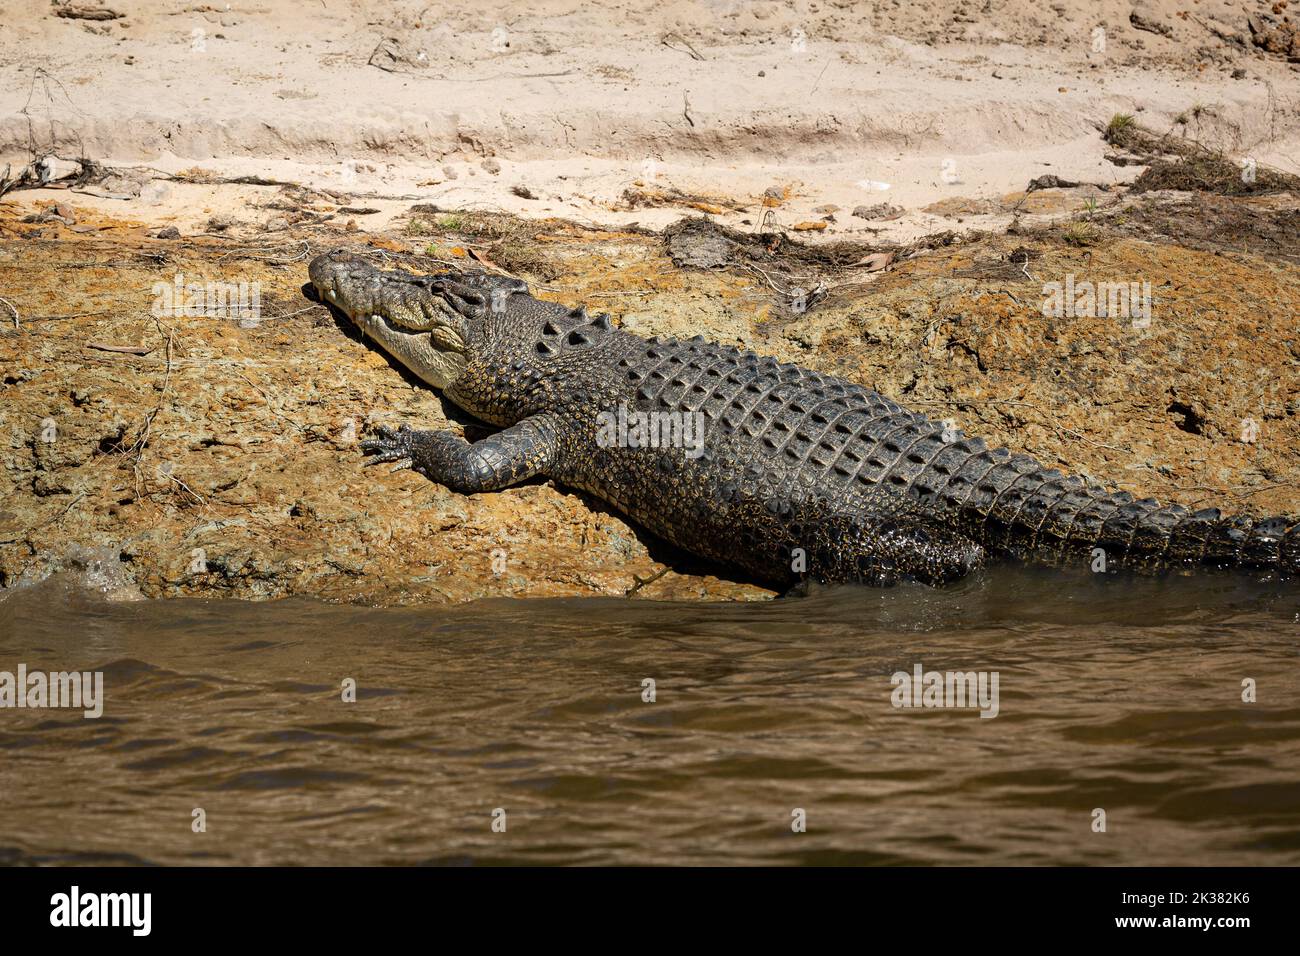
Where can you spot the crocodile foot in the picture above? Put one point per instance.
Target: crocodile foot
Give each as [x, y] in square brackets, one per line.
[439, 455]
[392, 445]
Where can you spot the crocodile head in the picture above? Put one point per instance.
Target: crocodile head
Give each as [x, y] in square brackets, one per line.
[407, 315]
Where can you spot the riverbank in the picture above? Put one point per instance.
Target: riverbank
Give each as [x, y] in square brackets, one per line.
[217, 454]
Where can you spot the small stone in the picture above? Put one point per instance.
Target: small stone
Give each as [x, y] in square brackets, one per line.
[276, 224]
[882, 210]
[220, 223]
[491, 166]
[168, 232]
[449, 172]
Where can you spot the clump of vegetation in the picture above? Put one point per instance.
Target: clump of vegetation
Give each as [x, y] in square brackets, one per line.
[1080, 234]
[482, 225]
[1118, 128]
[1179, 162]
[1210, 172]
[498, 239]
[525, 258]
[426, 221]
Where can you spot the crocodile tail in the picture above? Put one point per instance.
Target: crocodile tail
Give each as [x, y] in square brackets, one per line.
[1206, 537]
[1145, 534]
[1017, 507]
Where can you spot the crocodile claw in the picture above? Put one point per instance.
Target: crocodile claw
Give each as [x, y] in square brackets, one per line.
[389, 446]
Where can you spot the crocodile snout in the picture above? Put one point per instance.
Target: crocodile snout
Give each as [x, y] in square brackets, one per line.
[330, 272]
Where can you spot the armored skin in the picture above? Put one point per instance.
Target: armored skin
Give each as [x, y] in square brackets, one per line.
[784, 472]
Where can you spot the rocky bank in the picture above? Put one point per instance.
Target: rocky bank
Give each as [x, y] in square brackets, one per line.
[172, 454]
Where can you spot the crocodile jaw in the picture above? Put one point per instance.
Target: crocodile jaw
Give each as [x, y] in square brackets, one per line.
[415, 350]
[410, 324]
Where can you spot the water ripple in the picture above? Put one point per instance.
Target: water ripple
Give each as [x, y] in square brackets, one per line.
[1115, 695]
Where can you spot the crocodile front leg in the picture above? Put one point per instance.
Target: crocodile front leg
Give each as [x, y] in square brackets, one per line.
[506, 458]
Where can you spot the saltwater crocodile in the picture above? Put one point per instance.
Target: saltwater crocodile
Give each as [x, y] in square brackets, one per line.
[784, 472]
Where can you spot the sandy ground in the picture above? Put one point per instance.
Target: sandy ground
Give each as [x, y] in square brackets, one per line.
[797, 112]
[181, 434]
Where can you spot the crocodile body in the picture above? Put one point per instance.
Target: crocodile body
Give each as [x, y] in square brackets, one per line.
[784, 472]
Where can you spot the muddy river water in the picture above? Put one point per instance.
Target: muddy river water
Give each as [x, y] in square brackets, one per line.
[636, 732]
